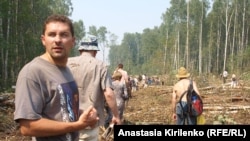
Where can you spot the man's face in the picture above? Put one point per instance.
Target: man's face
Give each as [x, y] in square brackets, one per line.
[58, 40]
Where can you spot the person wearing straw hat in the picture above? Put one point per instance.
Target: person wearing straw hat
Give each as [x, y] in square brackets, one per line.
[179, 114]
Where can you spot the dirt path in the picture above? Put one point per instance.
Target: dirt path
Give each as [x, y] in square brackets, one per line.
[152, 105]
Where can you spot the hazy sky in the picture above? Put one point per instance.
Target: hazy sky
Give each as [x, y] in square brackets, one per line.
[120, 16]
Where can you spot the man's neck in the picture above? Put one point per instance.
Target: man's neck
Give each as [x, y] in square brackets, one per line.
[91, 52]
[57, 62]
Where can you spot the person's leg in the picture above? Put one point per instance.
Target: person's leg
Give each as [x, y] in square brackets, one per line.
[180, 119]
[192, 120]
[180, 110]
[108, 117]
[129, 92]
[235, 84]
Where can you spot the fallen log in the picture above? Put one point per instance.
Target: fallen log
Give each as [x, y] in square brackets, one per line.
[220, 108]
[207, 88]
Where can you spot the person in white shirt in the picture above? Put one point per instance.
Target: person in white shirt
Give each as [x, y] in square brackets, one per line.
[224, 75]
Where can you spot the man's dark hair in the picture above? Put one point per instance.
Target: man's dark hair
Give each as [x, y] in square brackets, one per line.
[120, 65]
[58, 18]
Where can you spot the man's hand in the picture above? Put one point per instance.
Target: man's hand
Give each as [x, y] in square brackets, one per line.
[89, 117]
[174, 116]
[116, 120]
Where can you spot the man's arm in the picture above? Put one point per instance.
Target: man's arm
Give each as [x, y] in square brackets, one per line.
[111, 101]
[46, 127]
[174, 101]
[195, 88]
[174, 96]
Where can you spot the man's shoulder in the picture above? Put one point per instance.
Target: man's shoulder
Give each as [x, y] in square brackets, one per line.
[182, 82]
[123, 71]
[100, 63]
[70, 59]
[35, 64]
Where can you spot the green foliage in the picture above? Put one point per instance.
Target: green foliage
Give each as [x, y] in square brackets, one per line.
[20, 33]
[79, 30]
[161, 50]
[224, 120]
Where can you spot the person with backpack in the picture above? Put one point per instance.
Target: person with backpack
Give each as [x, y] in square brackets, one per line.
[179, 103]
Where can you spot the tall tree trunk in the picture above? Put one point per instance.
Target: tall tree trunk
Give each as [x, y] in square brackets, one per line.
[177, 51]
[227, 27]
[8, 42]
[178, 48]
[233, 43]
[1, 49]
[187, 38]
[165, 54]
[209, 65]
[200, 42]
[218, 46]
[243, 35]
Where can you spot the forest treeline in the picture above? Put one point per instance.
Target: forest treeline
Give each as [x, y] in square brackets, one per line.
[205, 36]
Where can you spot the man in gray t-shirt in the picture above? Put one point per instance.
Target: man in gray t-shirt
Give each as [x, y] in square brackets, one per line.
[46, 96]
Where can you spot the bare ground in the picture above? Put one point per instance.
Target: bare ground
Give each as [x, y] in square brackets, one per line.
[221, 106]
[152, 105]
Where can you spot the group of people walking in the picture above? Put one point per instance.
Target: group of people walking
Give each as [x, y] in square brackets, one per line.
[233, 79]
[58, 97]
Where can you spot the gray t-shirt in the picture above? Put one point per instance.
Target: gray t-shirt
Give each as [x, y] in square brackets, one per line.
[44, 90]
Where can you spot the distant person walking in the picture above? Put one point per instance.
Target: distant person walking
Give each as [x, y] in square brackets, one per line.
[233, 81]
[121, 95]
[125, 77]
[134, 84]
[180, 115]
[224, 75]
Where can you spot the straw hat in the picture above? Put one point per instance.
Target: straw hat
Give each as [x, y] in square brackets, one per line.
[117, 75]
[182, 73]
